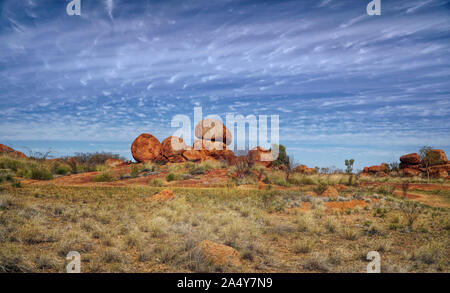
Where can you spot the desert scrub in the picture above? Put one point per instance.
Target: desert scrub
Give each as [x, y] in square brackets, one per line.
[317, 262]
[304, 245]
[349, 234]
[41, 174]
[156, 182]
[105, 176]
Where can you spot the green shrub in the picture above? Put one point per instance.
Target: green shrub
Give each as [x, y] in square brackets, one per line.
[105, 176]
[62, 170]
[41, 174]
[170, 177]
[135, 170]
[156, 182]
[197, 170]
[25, 173]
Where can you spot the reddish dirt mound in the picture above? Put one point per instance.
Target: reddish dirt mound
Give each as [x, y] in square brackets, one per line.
[330, 192]
[7, 150]
[145, 148]
[164, 195]
[217, 254]
[214, 130]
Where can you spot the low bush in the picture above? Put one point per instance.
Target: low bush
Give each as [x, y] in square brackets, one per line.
[156, 182]
[105, 176]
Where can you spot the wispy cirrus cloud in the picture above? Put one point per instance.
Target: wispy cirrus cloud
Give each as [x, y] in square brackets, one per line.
[334, 74]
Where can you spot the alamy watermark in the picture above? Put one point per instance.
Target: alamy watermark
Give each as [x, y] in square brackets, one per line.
[74, 7]
[374, 7]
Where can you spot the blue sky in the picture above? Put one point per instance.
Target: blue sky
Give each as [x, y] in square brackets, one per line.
[345, 84]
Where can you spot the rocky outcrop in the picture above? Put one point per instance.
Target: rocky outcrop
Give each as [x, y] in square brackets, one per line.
[378, 170]
[7, 150]
[411, 172]
[411, 165]
[113, 162]
[441, 158]
[259, 155]
[145, 148]
[303, 169]
[213, 130]
[410, 159]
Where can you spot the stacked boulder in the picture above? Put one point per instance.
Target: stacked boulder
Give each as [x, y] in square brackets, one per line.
[411, 165]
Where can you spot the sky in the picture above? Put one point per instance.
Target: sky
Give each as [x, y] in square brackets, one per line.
[344, 84]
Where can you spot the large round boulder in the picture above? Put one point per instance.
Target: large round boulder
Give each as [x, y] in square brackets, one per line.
[214, 130]
[173, 146]
[410, 159]
[145, 148]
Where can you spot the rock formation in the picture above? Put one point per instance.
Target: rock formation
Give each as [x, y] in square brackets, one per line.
[303, 169]
[411, 165]
[380, 170]
[7, 150]
[113, 162]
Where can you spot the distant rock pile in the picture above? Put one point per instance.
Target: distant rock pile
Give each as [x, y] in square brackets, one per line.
[411, 165]
[7, 150]
[303, 169]
[381, 170]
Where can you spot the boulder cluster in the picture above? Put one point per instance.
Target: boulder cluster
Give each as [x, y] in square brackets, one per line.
[411, 165]
[211, 144]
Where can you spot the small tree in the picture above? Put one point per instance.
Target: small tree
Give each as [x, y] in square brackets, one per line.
[428, 159]
[349, 165]
[283, 158]
[349, 170]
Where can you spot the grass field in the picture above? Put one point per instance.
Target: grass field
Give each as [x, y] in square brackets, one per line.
[118, 229]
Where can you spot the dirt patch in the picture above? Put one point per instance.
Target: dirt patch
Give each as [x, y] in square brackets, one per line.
[343, 205]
